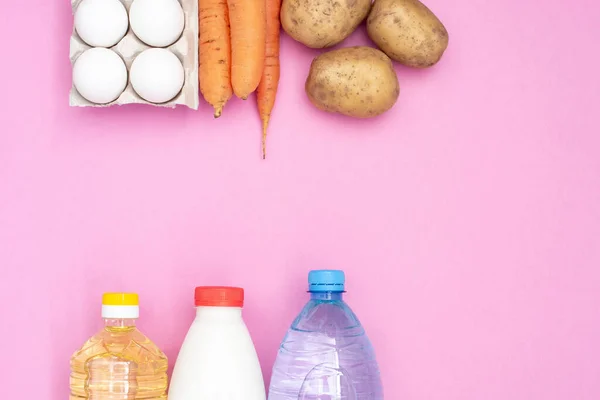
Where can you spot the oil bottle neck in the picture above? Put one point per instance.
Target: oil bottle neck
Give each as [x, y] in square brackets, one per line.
[119, 322]
[327, 296]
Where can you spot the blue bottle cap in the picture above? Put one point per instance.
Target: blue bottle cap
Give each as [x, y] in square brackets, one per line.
[326, 280]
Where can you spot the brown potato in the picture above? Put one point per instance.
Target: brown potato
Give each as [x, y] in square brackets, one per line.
[408, 32]
[355, 81]
[322, 23]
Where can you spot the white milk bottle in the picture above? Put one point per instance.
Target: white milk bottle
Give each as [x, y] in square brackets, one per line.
[217, 360]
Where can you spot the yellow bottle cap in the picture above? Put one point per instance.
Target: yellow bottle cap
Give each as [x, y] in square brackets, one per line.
[120, 299]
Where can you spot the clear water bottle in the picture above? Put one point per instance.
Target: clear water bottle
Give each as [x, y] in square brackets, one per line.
[326, 354]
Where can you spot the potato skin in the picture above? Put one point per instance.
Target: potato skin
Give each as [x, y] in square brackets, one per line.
[355, 81]
[408, 32]
[322, 23]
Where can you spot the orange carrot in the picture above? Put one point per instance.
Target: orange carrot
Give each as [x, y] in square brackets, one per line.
[267, 89]
[214, 69]
[248, 31]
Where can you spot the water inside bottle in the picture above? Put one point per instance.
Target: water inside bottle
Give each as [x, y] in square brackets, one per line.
[325, 382]
[326, 355]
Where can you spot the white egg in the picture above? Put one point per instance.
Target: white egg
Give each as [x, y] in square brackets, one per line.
[157, 23]
[101, 23]
[99, 75]
[157, 75]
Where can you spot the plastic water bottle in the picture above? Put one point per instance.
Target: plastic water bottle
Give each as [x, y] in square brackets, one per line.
[326, 354]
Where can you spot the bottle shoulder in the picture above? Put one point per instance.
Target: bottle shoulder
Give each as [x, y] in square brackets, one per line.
[127, 343]
[330, 317]
[217, 337]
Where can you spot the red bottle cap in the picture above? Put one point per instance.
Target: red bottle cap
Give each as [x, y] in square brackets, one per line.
[219, 296]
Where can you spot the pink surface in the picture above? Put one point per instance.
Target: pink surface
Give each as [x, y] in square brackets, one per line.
[467, 218]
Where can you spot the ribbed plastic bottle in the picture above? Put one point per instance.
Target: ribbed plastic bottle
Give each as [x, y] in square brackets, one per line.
[217, 360]
[326, 353]
[119, 362]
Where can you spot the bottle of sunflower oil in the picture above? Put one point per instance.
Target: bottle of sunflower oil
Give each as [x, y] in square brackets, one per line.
[119, 362]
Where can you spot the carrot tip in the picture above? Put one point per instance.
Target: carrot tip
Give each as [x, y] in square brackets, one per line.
[264, 136]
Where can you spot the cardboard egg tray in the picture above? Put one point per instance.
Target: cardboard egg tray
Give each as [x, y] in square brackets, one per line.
[185, 48]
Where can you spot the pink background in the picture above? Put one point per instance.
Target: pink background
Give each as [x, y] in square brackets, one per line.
[467, 218]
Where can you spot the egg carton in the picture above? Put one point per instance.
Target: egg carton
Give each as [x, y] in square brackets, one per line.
[185, 48]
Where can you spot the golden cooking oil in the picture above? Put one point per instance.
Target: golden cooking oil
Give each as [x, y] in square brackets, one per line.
[119, 362]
